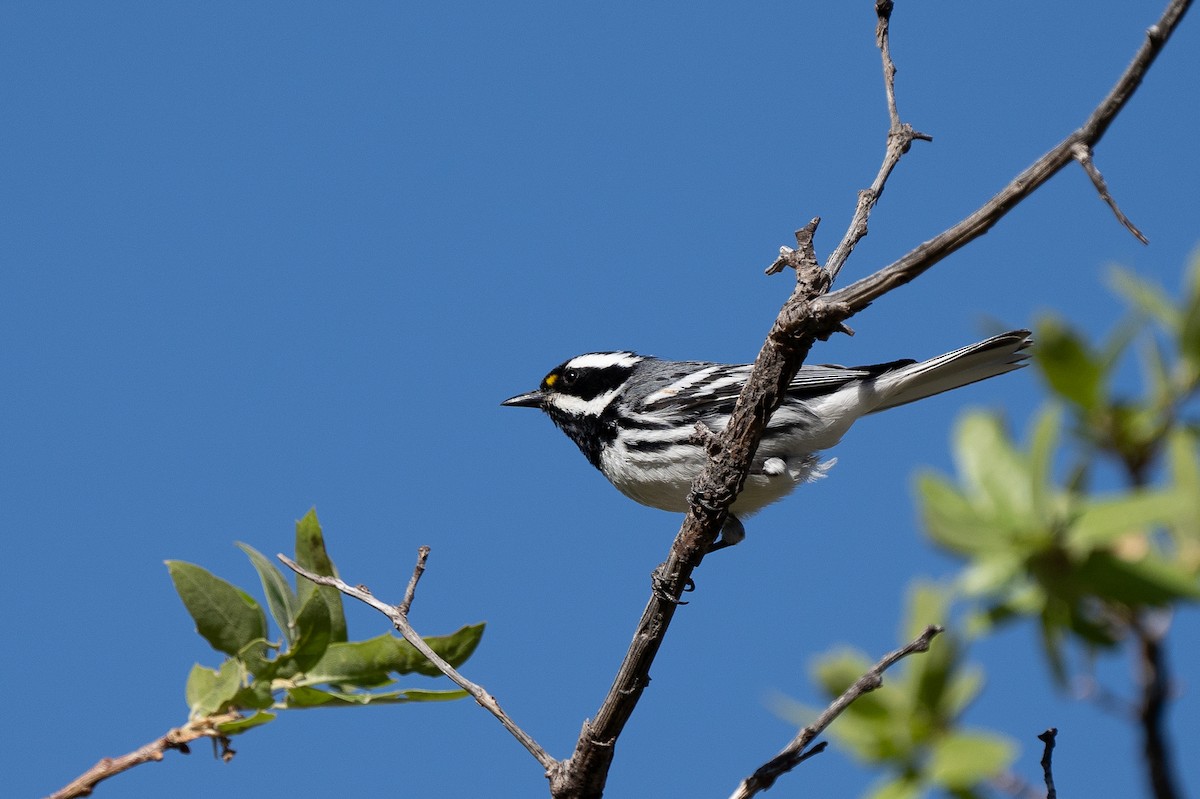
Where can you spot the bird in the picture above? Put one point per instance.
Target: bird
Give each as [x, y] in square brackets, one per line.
[634, 417]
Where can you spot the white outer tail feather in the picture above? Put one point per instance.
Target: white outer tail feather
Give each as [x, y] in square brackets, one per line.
[970, 364]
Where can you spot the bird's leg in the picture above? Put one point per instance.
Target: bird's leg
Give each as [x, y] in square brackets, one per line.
[732, 532]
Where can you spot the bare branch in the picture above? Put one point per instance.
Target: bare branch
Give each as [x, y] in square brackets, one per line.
[410, 592]
[860, 294]
[1047, 738]
[794, 753]
[177, 738]
[899, 138]
[400, 621]
[1083, 154]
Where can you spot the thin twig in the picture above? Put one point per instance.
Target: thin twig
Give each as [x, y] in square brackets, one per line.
[794, 753]
[177, 738]
[486, 700]
[1083, 154]
[410, 592]
[1047, 738]
[899, 139]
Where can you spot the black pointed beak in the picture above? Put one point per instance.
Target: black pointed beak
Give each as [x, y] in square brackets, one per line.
[531, 400]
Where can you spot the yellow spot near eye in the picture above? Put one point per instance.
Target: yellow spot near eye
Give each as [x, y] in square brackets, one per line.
[550, 380]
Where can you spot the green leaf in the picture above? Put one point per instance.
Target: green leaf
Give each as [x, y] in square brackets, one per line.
[927, 604]
[962, 760]
[1144, 296]
[929, 674]
[225, 615]
[241, 725]
[454, 649]
[906, 787]
[1042, 445]
[311, 554]
[993, 573]
[304, 697]
[951, 521]
[1055, 619]
[1161, 386]
[370, 663]
[209, 691]
[421, 695]
[1020, 604]
[1189, 330]
[254, 656]
[281, 600]
[1184, 458]
[996, 477]
[1071, 369]
[1150, 580]
[1103, 521]
[315, 631]
[962, 690]
[255, 696]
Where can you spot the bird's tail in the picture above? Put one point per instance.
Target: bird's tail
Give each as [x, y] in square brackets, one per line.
[975, 362]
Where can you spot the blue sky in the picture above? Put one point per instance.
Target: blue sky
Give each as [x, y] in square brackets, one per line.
[259, 257]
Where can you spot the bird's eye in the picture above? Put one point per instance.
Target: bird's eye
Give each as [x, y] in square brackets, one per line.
[570, 376]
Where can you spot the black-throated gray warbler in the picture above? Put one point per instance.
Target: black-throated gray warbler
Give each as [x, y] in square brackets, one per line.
[634, 417]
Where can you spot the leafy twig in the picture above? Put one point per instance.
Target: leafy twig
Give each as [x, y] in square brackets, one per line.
[486, 700]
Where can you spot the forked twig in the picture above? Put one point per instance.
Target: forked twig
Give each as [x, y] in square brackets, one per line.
[862, 293]
[797, 751]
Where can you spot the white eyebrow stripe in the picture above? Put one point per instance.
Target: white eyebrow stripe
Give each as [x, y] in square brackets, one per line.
[603, 360]
[581, 407]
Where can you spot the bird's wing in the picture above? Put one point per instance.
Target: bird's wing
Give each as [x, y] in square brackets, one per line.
[713, 388]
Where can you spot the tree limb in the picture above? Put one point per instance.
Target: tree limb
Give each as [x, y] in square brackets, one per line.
[808, 314]
[802, 320]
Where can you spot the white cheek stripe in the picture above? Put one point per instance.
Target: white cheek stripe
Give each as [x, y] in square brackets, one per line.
[603, 360]
[581, 407]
